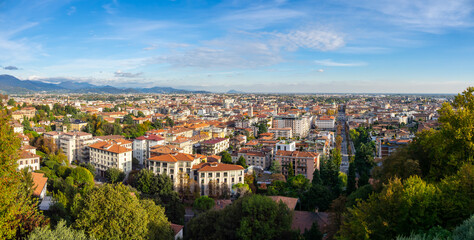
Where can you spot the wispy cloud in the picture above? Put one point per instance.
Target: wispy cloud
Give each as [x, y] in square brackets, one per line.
[424, 15]
[127, 74]
[71, 10]
[331, 63]
[258, 17]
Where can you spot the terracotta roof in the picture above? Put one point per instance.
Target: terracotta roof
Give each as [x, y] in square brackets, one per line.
[176, 228]
[303, 220]
[212, 167]
[173, 157]
[289, 201]
[151, 137]
[296, 154]
[110, 147]
[214, 141]
[39, 182]
[27, 154]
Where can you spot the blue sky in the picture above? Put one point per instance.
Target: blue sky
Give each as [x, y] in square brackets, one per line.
[406, 46]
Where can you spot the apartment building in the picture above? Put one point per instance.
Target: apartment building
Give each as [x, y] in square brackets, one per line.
[110, 154]
[214, 146]
[75, 145]
[281, 132]
[217, 175]
[300, 125]
[142, 145]
[325, 122]
[304, 163]
[173, 164]
[254, 157]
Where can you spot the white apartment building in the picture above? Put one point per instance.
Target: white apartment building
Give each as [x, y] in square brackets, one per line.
[110, 154]
[141, 146]
[325, 122]
[173, 164]
[219, 174]
[74, 145]
[300, 125]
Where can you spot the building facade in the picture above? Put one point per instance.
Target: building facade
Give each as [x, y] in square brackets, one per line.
[110, 154]
[304, 163]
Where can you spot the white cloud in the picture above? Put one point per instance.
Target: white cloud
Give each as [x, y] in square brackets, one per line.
[423, 15]
[318, 39]
[71, 10]
[331, 63]
[320, 70]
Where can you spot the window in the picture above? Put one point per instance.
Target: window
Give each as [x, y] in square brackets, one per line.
[240, 179]
[209, 175]
[218, 174]
[225, 174]
[202, 175]
[233, 180]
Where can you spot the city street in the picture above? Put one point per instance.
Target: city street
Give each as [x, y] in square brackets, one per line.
[341, 118]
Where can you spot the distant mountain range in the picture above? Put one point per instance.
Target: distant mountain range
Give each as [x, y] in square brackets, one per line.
[232, 91]
[11, 84]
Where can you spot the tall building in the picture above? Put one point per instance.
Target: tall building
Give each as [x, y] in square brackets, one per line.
[111, 154]
[142, 145]
[325, 122]
[300, 125]
[75, 145]
[304, 163]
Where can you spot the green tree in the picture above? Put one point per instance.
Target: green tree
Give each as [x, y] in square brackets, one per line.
[226, 158]
[249, 217]
[159, 187]
[399, 164]
[11, 102]
[351, 179]
[203, 204]
[313, 233]
[275, 167]
[114, 175]
[60, 232]
[112, 212]
[336, 157]
[242, 162]
[82, 177]
[140, 114]
[404, 207]
[291, 171]
[18, 212]
[127, 119]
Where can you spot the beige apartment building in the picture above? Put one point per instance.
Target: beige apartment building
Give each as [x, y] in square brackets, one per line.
[304, 163]
[75, 145]
[173, 164]
[111, 154]
[218, 174]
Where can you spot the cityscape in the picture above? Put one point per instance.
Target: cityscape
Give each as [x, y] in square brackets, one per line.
[292, 120]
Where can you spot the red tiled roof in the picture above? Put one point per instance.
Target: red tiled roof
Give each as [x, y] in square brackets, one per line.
[212, 167]
[296, 154]
[214, 141]
[110, 147]
[176, 228]
[289, 201]
[39, 182]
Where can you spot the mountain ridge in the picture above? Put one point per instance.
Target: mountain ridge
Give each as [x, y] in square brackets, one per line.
[11, 84]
